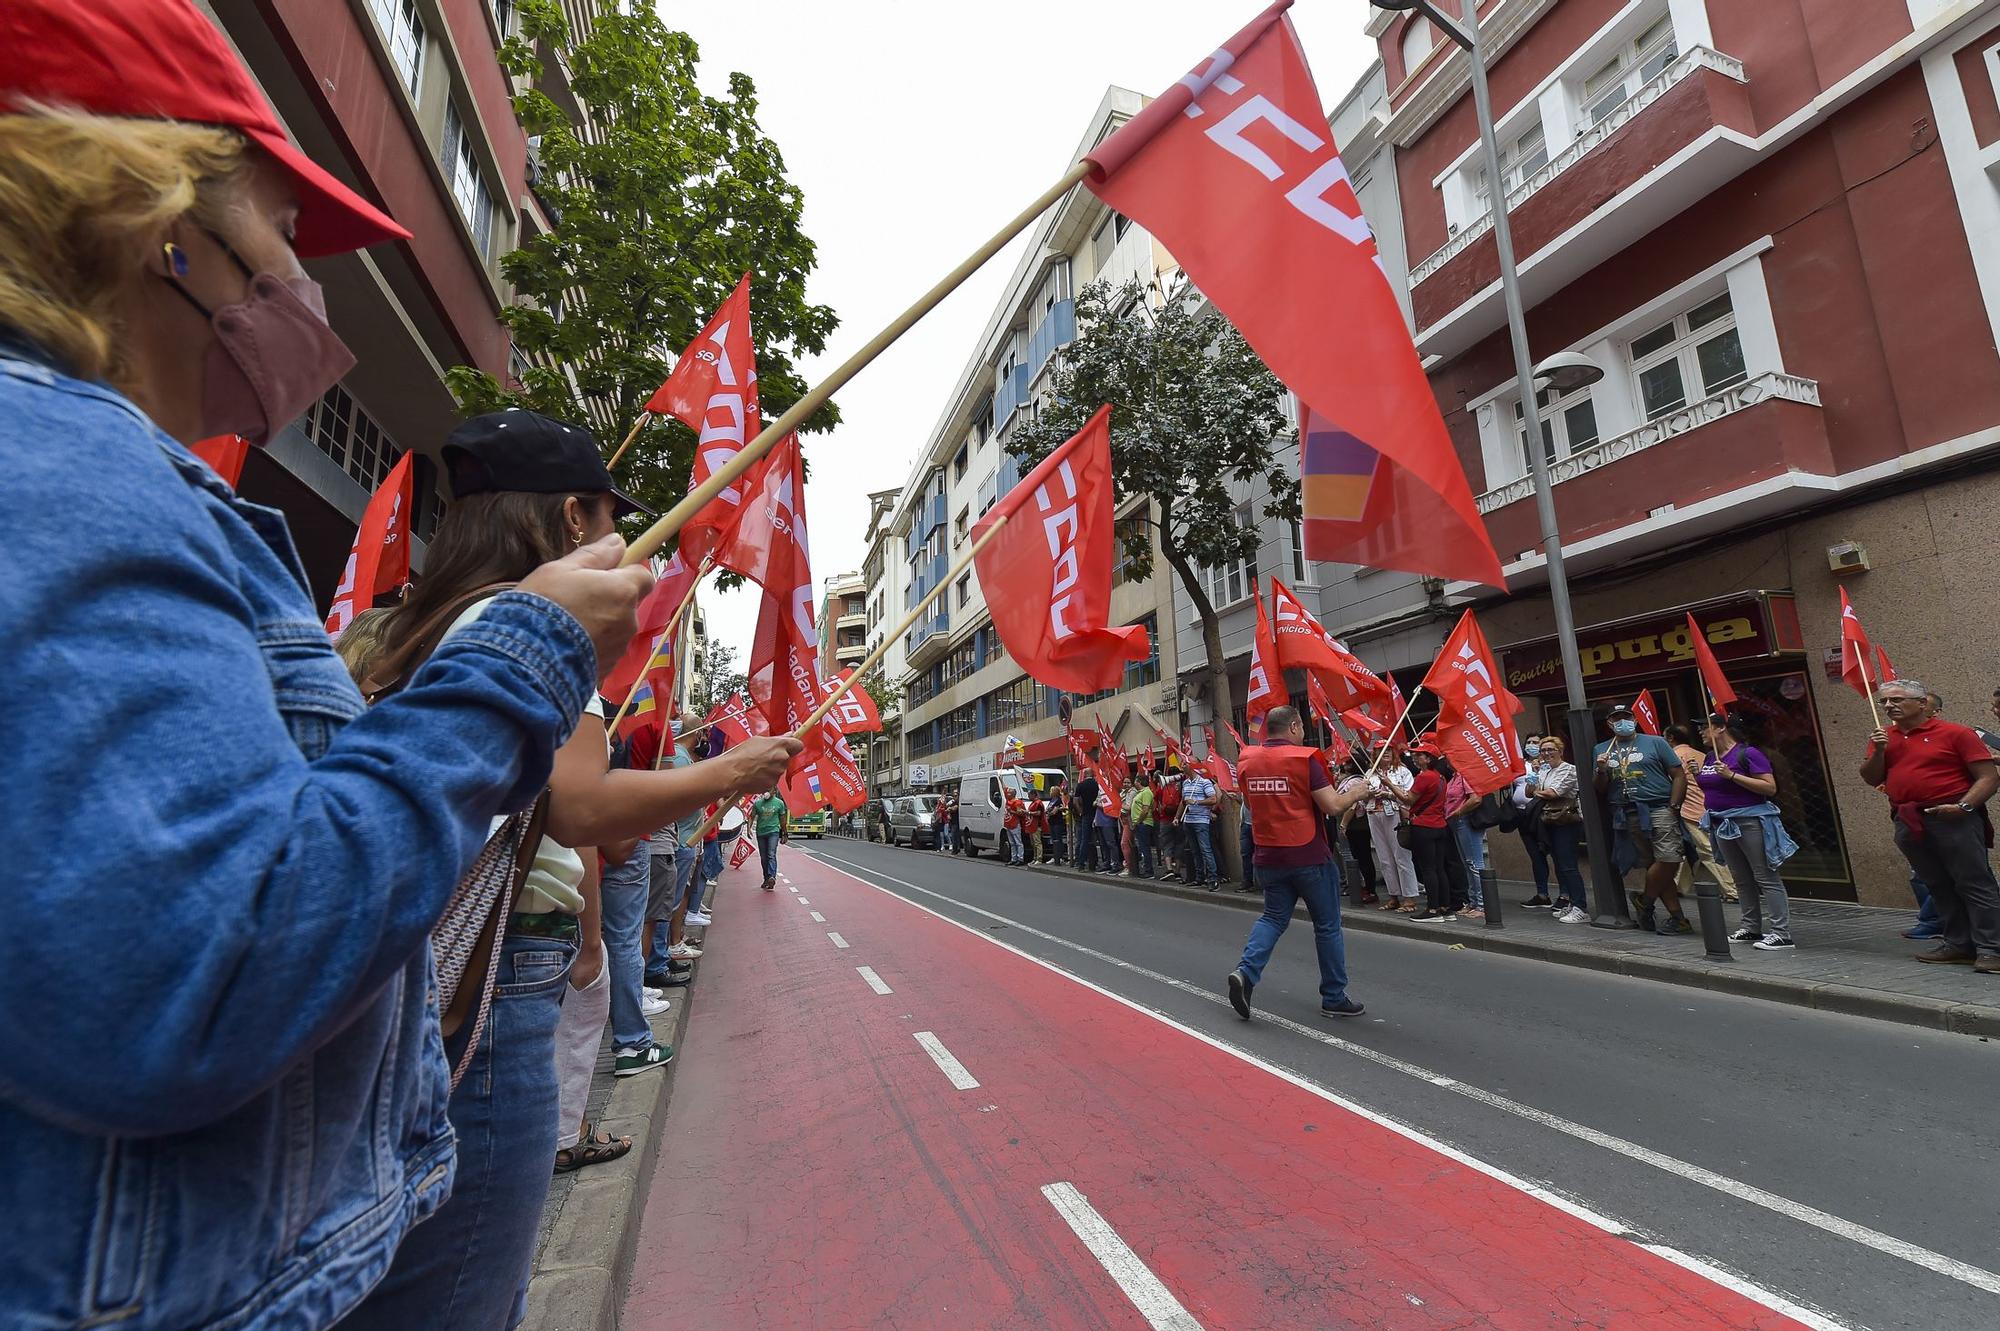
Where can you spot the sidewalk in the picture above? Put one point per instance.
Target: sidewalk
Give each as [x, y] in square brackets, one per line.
[1849, 959]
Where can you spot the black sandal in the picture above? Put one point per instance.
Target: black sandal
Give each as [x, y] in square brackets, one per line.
[593, 1148]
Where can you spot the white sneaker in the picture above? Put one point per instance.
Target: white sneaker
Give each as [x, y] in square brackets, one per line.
[654, 1003]
[1574, 915]
[697, 920]
[684, 951]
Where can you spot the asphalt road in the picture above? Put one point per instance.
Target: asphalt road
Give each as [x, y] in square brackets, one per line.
[1851, 1166]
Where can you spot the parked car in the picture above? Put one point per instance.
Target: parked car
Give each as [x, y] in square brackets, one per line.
[910, 821]
[982, 804]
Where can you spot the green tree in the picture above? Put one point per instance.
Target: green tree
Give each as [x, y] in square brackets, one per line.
[716, 677]
[1192, 409]
[660, 199]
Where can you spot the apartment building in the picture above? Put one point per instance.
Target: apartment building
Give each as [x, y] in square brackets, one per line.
[406, 102]
[843, 623]
[963, 697]
[882, 573]
[1775, 228]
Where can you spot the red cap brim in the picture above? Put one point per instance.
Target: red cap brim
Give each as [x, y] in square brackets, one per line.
[333, 219]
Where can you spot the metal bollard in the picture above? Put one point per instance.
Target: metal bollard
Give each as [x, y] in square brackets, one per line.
[1714, 929]
[1489, 891]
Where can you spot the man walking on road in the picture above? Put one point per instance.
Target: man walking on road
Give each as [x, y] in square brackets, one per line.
[1938, 776]
[1286, 789]
[770, 813]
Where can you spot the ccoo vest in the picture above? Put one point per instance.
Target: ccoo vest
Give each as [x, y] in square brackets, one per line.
[1277, 785]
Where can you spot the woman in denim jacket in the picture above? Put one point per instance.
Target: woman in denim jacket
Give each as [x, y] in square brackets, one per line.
[222, 1088]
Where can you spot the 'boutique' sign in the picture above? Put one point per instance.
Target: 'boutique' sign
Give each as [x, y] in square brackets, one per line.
[1756, 625]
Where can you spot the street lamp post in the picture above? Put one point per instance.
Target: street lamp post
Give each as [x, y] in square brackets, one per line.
[1606, 895]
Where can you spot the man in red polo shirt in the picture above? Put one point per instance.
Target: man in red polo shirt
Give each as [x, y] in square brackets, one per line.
[1938, 777]
[1286, 788]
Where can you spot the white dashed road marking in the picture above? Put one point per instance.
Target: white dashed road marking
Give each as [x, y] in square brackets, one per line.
[948, 1065]
[818, 918]
[874, 980]
[838, 941]
[1155, 1302]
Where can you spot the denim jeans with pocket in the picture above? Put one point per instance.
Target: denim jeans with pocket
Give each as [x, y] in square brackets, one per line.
[1319, 886]
[468, 1265]
[623, 892]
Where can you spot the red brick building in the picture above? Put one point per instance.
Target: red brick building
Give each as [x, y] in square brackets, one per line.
[1775, 226]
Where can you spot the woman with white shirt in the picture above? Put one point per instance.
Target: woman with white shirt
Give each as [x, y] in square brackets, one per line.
[1562, 828]
[1522, 796]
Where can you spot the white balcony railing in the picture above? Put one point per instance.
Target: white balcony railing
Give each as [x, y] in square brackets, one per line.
[1763, 388]
[1695, 57]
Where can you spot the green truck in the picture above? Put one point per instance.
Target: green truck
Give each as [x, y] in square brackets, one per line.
[809, 824]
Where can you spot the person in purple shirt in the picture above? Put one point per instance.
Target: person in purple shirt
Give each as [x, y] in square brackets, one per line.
[1738, 788]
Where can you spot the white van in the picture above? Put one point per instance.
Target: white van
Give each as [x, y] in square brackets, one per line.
[982, 804]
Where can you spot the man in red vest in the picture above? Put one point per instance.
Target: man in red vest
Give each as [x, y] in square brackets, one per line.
[1286, 790]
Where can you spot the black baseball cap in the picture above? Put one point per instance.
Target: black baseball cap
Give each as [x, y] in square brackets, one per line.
[525, 452]
[1620, 710]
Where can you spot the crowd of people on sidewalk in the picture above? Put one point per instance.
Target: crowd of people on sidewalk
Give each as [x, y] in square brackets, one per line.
[382, 902]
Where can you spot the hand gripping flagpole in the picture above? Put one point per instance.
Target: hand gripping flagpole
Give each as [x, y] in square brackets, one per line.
[670, 523]
[1396, 729]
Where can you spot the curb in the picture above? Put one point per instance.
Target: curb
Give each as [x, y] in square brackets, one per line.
[1943, 1014]
[583, 1269]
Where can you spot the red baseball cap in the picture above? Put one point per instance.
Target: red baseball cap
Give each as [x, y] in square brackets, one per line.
[164, 60]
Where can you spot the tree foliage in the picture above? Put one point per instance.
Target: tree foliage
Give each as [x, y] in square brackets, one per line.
[660, 201]
[1192, 409]
[716, 677]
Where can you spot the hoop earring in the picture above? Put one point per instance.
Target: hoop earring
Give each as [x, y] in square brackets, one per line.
[576, 538]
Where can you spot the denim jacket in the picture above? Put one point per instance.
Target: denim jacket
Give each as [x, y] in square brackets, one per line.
[1778, 843]
[222, 1091]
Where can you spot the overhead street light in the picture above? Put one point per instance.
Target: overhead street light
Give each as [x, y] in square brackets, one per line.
[1569, 369]
[1566, 371]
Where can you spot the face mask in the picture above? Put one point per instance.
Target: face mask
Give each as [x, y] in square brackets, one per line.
[1532, 750]
[273, 354]
[1624, 729]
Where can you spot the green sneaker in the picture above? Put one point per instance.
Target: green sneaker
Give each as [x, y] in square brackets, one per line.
[632, 1062]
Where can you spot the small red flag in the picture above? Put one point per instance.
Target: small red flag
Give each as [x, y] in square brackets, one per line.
[1146, 761]
[1220, 769]
[656, 614]
[1475, 725]
[1316, 698]
[732, 717]
[1856, 651]
[1303, 641]
[1233, 171]
[1267, 677]
[1643, 713]
[744, 845]
[1886, 671]
[856, 712]
[380, 558]
[1719, 692]
[713, 391]
[225, 454]
[1047, 574]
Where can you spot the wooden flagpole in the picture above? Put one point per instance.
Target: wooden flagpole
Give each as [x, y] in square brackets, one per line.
[670, 523]
[1396, 729]
[681, 656]
[637, 426]
[664, 633]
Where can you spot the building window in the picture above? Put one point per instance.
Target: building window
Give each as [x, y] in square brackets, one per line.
[959, 726]
[1232, 582]
[1634, 66]
[1138, 674]
[1418, 39]
[964, 590]
[403, 34]
[958, 463]
[991, 649]
[350, 436]
[959, 526]
[1131, 568]
[1690, 357]
[989, 493]
[1520, 157]
[1302, 571]
[1569, 425]
[468, 186]
[503, 16]
[1013, 704]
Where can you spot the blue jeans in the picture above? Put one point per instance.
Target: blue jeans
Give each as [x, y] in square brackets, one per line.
[1563, 839]
[1202, 858]
[1142, 850]
[711, 861]
[625, 888]
[1928, 923]
[1059, 843]
[468, 1265]
[1538, 859]
[767, 852]
[1319, 885]
[1472, 849]
[1014, 852]
[1246, 851]
[1110, 849]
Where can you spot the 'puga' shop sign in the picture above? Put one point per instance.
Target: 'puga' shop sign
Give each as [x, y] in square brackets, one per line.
[1742, 628]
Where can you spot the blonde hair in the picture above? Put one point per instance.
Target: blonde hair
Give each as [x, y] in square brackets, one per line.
[361, 643]
[85, 204]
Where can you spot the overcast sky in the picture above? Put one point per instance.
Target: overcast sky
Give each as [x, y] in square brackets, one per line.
[915, 128]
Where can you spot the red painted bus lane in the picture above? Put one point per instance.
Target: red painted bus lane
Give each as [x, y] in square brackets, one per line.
[820, 1168]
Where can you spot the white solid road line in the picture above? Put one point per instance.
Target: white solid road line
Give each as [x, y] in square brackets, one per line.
[838, 941]
[1162, 1311]
[874, 980]
[951, 1067]
[1769, 1298]
[818, 918]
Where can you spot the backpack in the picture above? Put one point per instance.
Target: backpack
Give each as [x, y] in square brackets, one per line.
[1492, 811]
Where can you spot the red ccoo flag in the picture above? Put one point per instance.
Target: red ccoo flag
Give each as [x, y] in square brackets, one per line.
[1475, 725]
[855, 712]
[1267, 678]
[1303, 641]
[1643, 713]
[1047, 574]
[1719, 692]
[1233, 170]
[1856, 652]
[380, 559]
[225, 454]
[1220, 770]
[713, 391]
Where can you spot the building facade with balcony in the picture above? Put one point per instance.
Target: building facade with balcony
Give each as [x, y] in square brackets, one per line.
[882, 573]
[406, 102]
[963, 696]
[1775, 228]
[843, 623]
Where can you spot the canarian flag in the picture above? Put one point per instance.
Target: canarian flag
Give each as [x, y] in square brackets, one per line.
[225, 454]
[1303, 641]
[1267, 677]
[1233, 170]
[640, 714]
[1475, 725]
[1856, 652]
[380, 559]
[1643, 713]
[1719, 692]
[713, 391]
[1047, 573]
